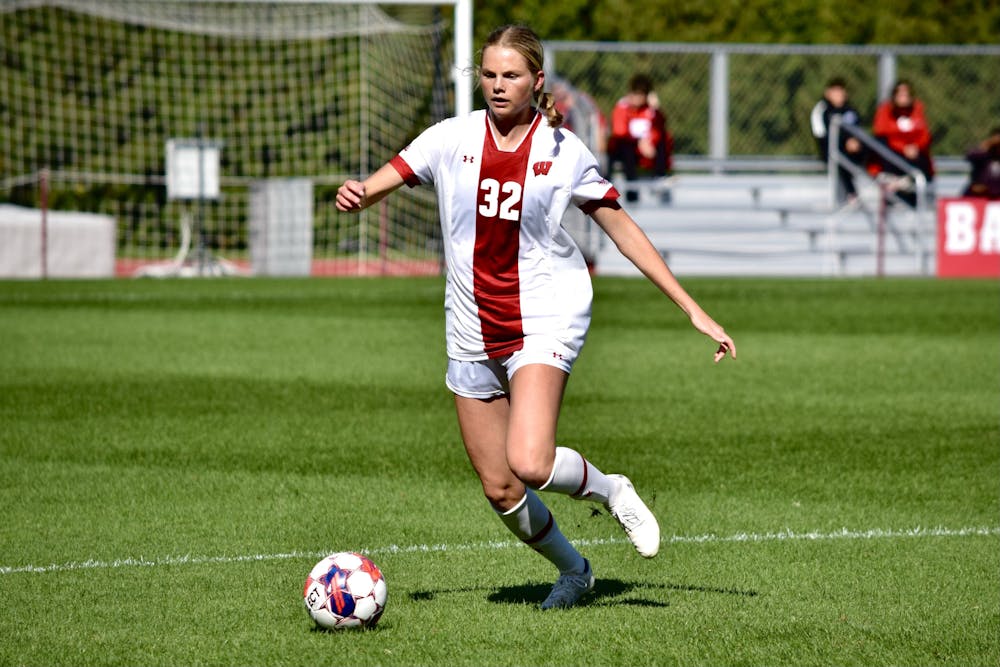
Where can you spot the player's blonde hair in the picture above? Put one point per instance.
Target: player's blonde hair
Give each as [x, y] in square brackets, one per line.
[523, 39]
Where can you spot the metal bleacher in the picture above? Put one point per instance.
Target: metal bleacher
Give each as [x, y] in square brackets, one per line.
[777, 224]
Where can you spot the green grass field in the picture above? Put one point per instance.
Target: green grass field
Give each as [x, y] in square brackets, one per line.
[175, 456]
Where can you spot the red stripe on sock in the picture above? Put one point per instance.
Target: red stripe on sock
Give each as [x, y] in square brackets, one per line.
[540, 535]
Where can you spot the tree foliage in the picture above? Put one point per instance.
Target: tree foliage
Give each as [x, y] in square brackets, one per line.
[771, 95]
[751, 21]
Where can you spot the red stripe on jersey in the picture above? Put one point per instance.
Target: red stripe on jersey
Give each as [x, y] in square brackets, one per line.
[496, 282]
[404, 170]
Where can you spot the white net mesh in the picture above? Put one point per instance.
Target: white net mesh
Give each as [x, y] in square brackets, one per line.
[93, 89]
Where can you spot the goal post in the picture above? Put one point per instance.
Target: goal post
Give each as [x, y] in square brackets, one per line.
[322, 90]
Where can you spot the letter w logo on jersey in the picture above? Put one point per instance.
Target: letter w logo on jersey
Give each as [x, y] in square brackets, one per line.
[541, 168]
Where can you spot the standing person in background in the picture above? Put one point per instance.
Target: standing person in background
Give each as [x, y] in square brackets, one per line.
[581, 116]
[639, 138]
[901, 124]
[518, 295]
[835, 104]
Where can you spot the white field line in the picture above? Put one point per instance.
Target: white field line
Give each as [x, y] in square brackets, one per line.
[707, 538]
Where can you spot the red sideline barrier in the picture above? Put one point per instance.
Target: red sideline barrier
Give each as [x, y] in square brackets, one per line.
[375, 267]
[968, 237]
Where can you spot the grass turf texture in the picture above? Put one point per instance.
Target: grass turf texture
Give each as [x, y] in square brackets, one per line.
[174, 457]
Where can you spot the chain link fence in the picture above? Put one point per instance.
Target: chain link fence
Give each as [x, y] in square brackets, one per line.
[726, 101]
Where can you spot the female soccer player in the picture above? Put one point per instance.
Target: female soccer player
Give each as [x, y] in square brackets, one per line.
[518, 295]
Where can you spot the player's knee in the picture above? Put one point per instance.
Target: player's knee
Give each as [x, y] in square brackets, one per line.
[503, 497]
[533, 472]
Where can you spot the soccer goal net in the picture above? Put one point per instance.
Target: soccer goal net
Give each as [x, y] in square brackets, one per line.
[309, 92]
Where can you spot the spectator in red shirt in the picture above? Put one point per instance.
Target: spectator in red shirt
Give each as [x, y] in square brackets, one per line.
[900, 123]
[639, 141]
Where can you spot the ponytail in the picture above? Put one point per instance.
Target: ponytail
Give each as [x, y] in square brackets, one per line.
[547, 104]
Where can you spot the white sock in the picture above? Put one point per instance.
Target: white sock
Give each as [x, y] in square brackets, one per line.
[532, 522]
[577, 477]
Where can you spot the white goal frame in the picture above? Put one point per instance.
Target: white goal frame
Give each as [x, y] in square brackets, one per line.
[462, 65]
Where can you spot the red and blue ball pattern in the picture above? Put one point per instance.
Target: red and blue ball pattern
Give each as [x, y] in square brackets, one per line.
[345, 590]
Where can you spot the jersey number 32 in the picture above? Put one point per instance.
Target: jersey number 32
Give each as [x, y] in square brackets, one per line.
[500, 199]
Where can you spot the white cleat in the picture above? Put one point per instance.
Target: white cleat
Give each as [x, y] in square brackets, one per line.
[569, 588]
[639, 523]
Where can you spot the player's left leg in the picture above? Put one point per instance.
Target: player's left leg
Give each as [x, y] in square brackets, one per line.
[536, 392]
[536, 395]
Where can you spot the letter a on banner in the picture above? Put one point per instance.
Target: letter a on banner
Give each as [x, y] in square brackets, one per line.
[989, 233]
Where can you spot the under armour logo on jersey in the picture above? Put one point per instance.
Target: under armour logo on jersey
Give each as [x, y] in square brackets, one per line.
[468, 158]
[541, 168]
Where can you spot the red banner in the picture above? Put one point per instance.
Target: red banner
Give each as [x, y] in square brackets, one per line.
[968, 237]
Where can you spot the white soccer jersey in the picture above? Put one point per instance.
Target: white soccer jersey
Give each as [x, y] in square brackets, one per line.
[513, 270]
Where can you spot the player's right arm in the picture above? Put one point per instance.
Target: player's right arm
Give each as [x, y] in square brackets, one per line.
[359, 195]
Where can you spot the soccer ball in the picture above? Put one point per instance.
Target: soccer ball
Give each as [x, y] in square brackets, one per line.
[345, 590]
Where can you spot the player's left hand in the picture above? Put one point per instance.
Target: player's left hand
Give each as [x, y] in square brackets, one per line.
[705, 324]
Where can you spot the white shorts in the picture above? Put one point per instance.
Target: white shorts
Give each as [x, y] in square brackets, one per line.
[489, 378]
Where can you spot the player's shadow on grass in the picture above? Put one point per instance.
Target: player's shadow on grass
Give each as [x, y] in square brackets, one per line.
[607, 592]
